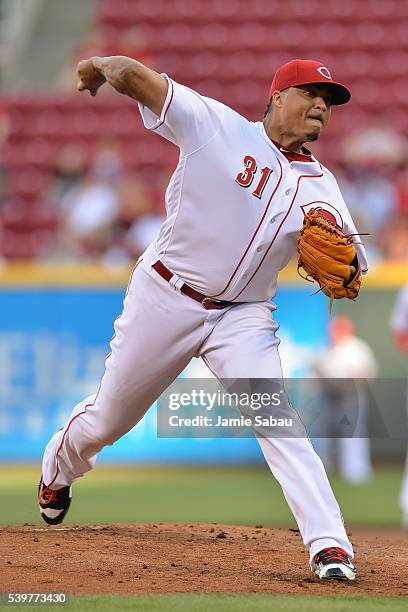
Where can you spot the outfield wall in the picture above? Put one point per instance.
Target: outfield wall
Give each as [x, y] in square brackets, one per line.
[54, 335]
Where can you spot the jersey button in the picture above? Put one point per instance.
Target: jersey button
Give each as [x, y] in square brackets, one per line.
[273, 220]
[287, 192]
[259, 249]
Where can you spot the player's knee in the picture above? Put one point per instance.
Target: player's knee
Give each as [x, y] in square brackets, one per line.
[92, 433]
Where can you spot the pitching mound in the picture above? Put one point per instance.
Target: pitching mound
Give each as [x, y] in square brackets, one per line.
[173, 558]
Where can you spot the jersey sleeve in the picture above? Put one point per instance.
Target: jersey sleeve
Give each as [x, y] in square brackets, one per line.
[188, 119]
[350, 230]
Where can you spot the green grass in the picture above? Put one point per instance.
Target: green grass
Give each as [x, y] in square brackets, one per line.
[187, 494]
[229, 603]
[241, 495]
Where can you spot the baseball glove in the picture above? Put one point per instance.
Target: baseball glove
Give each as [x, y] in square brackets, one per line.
[328, 256]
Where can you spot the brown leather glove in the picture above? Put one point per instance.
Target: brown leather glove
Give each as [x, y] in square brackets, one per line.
[328, 256]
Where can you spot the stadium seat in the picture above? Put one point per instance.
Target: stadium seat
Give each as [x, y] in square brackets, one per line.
[226, 49]
[36, 152]
[242, 64]
[27, 182]
[114, 12]
[205, 64]
[124, 123]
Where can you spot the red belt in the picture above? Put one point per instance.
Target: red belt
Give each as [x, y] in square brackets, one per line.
[208, 302]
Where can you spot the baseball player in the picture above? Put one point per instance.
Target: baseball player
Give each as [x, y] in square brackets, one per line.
[399, 328]
[351, 360]
[235, 207]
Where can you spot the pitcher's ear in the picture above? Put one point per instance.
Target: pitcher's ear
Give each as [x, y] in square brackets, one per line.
[277, 99]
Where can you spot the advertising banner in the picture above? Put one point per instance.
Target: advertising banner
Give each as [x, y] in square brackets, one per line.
[53, 345]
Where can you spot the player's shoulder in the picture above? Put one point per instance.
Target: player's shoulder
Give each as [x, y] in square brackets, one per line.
[180, 89]
[221, 107]
[230, 112]
[330, 179]
[328, 173]
[357, 343]
[238, 124]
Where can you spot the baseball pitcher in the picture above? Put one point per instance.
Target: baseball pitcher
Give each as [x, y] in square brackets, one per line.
[244, 199]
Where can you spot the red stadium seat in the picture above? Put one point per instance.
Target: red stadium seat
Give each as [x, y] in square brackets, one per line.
[124, 123]
[264, 10]
[226, 49]
[242, 64]
[13, 248]
[247, 92]
[114, 12]
[346, 9]
[291, 31]
[185, 10]
[357, 63]
[177, 36]
[30, 152]
[24, 243]
[18, 212]
[148, 9]
[86, 123]
[212, 35]
[13, 154]
[205, 64]
[399, 91]
[393, 9]
[47, 123]
[172, 63]
[27, 182]
[227, 10]
[395, 62]
[366, 91]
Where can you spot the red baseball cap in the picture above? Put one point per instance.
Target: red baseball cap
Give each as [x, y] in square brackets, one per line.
[305, 72]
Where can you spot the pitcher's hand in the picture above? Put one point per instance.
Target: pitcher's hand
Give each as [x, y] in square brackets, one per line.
[90, 75]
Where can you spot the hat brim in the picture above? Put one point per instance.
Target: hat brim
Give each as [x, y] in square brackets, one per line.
[340, 94]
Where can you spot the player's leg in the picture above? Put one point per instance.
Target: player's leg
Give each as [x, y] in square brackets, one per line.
[354, 452]
[243, 345]
[404, 488]
[354, 460]
[404, 494]
[155, 338]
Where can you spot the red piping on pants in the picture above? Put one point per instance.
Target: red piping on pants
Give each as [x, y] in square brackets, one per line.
[62, 441]
[88, 405]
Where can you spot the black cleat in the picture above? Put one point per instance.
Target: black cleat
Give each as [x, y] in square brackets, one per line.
[53, 504]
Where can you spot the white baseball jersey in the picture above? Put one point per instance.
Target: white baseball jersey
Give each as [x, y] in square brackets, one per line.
[350, 358]
[235, 203]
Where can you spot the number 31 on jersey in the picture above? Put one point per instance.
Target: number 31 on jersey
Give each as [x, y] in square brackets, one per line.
[246, 178]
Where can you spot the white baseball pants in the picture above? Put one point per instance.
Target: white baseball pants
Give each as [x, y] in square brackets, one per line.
[156, 336]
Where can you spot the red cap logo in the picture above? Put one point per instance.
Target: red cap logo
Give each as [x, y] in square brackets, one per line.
[324, 72]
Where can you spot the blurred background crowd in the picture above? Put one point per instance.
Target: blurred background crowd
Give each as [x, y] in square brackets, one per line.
[80, 178]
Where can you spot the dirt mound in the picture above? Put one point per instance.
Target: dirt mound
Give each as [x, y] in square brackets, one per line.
[175, 558]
